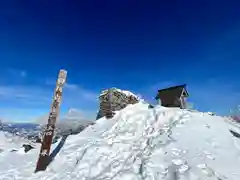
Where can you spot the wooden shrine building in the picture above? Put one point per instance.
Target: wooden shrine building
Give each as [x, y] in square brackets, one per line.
[173, 96]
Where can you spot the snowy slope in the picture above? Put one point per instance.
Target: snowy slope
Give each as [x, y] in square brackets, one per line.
[9, 141]
[140, 143]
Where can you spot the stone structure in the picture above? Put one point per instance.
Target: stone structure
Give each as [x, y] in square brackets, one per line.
[114, 99]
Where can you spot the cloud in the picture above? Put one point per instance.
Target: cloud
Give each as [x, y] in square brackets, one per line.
[39, 93]
[71, 86]
[72, 94]
[43, 119]
[24, 94]
[79, 115]
[71, 115]
[80, 91]
[21, 101]
[76, 90]
[39, 97]
[19, 114]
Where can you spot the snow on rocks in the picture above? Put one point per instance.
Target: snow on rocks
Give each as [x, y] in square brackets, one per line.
[127, 93]
[114, 99]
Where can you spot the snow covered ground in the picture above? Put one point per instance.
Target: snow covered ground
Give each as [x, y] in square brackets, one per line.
[139, 143]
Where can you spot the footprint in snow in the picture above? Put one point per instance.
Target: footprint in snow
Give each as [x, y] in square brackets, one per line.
[207, 126]
[209, 155]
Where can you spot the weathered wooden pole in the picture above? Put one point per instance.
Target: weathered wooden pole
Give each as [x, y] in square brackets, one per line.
[48, 134]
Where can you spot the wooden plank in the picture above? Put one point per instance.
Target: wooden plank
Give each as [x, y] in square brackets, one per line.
[49, 132]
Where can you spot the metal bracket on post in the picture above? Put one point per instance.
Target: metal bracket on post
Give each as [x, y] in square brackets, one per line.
[48, 134]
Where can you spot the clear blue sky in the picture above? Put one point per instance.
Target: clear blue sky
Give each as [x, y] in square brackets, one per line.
[135, 45]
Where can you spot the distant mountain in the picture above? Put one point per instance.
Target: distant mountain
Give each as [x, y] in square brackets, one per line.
[35, 131]
[72, 114]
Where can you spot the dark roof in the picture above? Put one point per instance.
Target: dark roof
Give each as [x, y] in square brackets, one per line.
[173, 87]
[173, 91]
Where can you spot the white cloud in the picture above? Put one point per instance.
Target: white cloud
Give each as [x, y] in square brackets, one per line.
[71, 86]
[71, 115]
[43, 119]
[79, 114]
[76, 90]
[41, 93]
[30, 94]
[40, 97]
[19, 114]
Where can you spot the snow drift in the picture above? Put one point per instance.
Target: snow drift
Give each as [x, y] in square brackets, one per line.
[140, 143]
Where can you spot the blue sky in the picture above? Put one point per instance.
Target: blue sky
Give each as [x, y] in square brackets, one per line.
[135, 45]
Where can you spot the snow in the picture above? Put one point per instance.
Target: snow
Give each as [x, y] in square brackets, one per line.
[8, 141]
[127, 93]
[139, 143]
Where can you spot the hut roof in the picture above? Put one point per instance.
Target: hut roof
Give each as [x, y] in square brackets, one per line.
[173, 91]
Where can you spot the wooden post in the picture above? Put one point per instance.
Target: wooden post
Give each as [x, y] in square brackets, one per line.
[48, 134]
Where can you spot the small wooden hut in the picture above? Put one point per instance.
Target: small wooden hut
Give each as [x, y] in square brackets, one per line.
[173, 96]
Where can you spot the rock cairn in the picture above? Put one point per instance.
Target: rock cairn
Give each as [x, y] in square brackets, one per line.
[114, 99]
